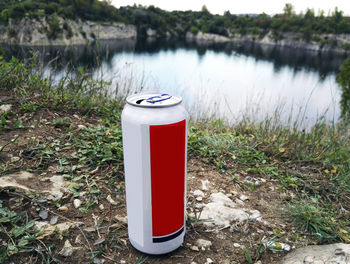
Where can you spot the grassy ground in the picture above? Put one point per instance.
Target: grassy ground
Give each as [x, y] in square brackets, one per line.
[73, 130]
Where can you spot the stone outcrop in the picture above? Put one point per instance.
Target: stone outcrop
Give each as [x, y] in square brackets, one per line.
[29, 32]
[326, 254]
[326, 42]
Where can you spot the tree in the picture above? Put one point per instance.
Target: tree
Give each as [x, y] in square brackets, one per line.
[343, 79]
[288, 10]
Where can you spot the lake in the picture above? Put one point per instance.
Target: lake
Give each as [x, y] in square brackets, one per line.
[226, 81]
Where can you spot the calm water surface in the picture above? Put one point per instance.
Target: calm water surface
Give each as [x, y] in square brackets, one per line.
[224, 81]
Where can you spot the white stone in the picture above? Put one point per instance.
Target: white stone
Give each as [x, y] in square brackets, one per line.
[205, 185]
[198, 193]
[199, 198]
[5, 108]
[110, 200]
[15, 159]
[203, 243]
[123, 219]
[221, 211]
[243, 197]
[101, 206]
[63, 208]
[45, 229]
[194, 248]
[77, 203]
[67, 249]
[209, 261]
[333, 253]
[236, 245]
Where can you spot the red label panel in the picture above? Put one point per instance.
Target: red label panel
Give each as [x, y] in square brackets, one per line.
[168, 143]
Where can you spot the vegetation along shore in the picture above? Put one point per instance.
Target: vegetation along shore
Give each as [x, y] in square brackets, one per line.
[34, 22]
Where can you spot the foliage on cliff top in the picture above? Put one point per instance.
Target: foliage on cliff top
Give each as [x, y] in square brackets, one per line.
[180, 22]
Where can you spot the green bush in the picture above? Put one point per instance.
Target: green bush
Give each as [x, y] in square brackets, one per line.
[54, 27]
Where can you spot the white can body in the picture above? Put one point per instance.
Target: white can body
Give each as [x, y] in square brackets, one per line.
[155, 161]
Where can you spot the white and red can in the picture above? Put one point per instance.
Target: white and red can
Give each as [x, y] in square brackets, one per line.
[154, 129]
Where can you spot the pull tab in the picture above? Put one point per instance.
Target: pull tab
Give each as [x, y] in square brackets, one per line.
[156, 99]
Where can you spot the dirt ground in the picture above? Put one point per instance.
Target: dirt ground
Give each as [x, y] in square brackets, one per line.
[100, 234]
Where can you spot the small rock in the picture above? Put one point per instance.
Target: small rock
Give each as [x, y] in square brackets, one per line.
[77, 203]
[203, 243]
[194, 248]
[243, 197]
[205, 185]
[110, 200]
[81, 127]
[236, 245]
[122, 262]
[258, 262]
[43, 214]
[5, 108]
[123, 219]
[198, 193]
[199, 198]
[193, 262]
[54, 220]
[209, 261]
[67, 249]
[15, 159]
[101, 206]
[79, 239]
[63, 208]
[99, 261]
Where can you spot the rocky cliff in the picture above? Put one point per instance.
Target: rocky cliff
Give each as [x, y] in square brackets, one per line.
[62, 32]
[321, 43]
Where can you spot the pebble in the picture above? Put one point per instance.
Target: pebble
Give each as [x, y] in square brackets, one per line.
[5, 108]
[198, 193]
[203, 243]
[63, 208]
[236, 245]
[78, 239]
[110, 200]
[209, 261]
[243, 197]
[54, 220]
[43, 214]
[101, 207]
[205, 185]
[15, 159]
[122, 262]
[123, 219]
[77, 203]
[199, 198]
[194, 248]
[67, 249]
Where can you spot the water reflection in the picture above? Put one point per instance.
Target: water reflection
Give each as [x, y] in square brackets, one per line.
[228, 78]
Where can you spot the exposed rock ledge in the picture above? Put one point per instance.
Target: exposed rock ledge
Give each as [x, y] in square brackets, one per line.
[35, 32]
[335, 43]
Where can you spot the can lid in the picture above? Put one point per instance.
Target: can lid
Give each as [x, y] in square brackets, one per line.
[153, 100]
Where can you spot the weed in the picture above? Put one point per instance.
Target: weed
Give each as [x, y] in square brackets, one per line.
[99, 146]
[62, 122]
[309, 217]
[29, 107]
[17, 229]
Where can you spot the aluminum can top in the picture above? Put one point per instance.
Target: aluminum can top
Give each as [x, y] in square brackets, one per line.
[153, 100]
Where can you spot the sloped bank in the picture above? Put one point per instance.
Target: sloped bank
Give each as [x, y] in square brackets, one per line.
[60, 32]
[322, 43]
